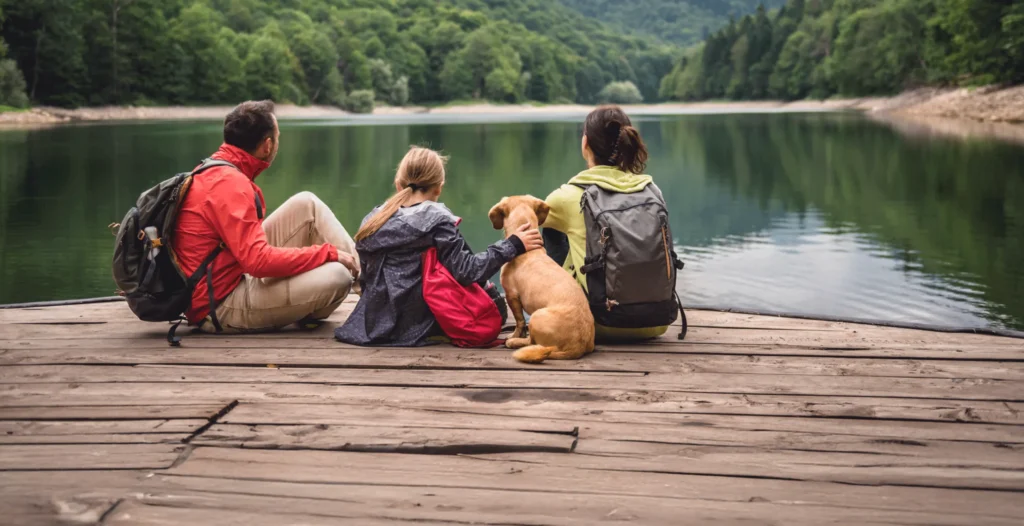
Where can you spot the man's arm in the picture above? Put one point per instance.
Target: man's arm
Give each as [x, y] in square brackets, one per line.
[232, 212]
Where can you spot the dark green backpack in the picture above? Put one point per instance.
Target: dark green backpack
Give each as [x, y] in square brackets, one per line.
[631, 264]
[145, 268]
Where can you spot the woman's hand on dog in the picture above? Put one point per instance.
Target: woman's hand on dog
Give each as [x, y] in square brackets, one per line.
[530, 237]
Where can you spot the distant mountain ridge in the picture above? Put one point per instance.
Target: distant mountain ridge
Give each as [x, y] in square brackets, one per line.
[681, 22]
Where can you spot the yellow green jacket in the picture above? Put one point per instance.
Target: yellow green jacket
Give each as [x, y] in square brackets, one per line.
[566, 216]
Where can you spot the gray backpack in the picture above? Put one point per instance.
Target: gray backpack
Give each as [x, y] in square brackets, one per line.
[631, 264]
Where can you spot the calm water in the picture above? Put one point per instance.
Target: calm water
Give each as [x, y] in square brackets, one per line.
[817, 214]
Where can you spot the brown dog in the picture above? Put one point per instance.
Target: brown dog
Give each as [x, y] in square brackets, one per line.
[561, 325]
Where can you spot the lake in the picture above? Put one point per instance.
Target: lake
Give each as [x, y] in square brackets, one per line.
[822, 214]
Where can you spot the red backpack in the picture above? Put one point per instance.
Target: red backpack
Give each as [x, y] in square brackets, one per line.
[467, 315]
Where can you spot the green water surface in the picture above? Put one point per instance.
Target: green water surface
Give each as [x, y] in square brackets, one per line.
[828, 214]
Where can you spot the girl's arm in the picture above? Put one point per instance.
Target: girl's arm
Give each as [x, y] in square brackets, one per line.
[466, 267]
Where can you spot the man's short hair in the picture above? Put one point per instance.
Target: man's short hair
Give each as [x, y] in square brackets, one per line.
[249, 124]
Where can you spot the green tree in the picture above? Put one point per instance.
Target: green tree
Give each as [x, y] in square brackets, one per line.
[12, 82]
[212, 68]
[354, 65]
[409, 60]
[12, 85]
[316, 54]
[879, 50]
[360, 101]
[484, 56]
[978, 47]
[382, 78]
[399, 95]
[624, 92]
[45, 39]
[270, 69]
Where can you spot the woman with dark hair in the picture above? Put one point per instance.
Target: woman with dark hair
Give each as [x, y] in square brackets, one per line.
[616, 158]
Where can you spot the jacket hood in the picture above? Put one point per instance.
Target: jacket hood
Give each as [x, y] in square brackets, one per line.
[408, 227]
[243, 160]
[612, 179]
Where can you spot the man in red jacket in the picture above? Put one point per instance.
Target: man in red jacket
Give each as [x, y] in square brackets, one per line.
[297, 264]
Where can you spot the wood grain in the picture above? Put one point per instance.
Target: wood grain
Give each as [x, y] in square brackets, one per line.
[749, 420]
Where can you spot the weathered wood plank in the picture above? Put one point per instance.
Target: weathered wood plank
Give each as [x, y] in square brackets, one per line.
[844, 339]
[455, 358]
[106, 312]
[716, 429]
[36, 428]
[94, 438]
[103, 432]
[495, 472]
[583, 402]
[384, 439]
[140, 514]
[90, 456]
[403, 505]
[62, 498]
[38, 510]
[392, 416]
[950, 388]
[111, 412]
[848, 337]
[1004, 349]
[564, 506]
[960, 470]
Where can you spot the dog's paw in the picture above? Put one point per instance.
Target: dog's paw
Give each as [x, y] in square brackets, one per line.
[517, 343]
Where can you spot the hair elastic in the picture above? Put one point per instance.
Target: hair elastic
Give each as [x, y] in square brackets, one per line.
[618, 139]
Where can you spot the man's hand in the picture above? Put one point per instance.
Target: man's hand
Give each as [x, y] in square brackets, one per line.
[350, 263]
[530, 237]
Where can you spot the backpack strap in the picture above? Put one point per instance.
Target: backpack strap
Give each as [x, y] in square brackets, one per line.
[682, 317]
[212, 163]
[205, 270]
[208, 163]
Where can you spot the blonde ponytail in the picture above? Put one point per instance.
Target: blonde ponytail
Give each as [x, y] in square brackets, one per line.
[421, 170]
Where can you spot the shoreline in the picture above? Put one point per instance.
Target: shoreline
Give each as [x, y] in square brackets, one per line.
[986, 112]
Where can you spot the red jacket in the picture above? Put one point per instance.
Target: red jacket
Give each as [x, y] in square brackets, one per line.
[221, 207]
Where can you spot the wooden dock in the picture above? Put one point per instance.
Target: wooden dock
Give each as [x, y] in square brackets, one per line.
[751, 420]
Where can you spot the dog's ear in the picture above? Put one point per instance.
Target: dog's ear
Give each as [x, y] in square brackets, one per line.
[542, 209]
[498, 213]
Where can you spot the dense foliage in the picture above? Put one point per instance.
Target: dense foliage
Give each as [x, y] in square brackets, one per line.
[89, 52]
[817, 48]
[624, 92]
[12, 83]
[680, 21]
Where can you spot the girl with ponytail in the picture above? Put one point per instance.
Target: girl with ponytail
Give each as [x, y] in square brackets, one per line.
[616, 159]
[391, 242]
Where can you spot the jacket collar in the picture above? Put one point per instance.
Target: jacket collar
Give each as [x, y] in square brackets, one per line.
[243, 160]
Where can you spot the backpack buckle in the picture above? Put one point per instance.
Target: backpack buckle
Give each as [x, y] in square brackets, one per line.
[610, 303]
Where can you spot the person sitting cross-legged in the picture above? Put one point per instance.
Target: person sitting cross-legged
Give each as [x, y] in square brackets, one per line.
[298, 264]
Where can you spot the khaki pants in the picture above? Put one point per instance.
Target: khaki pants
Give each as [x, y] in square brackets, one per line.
[264, 304]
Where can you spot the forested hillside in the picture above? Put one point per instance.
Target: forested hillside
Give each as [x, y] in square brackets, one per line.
[680, 21]
[352, 52]
[817, 48]
[91, 52]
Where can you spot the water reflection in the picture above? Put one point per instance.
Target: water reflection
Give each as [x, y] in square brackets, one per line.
[817, 214]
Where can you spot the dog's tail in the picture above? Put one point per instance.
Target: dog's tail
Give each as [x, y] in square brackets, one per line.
[533, 353]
